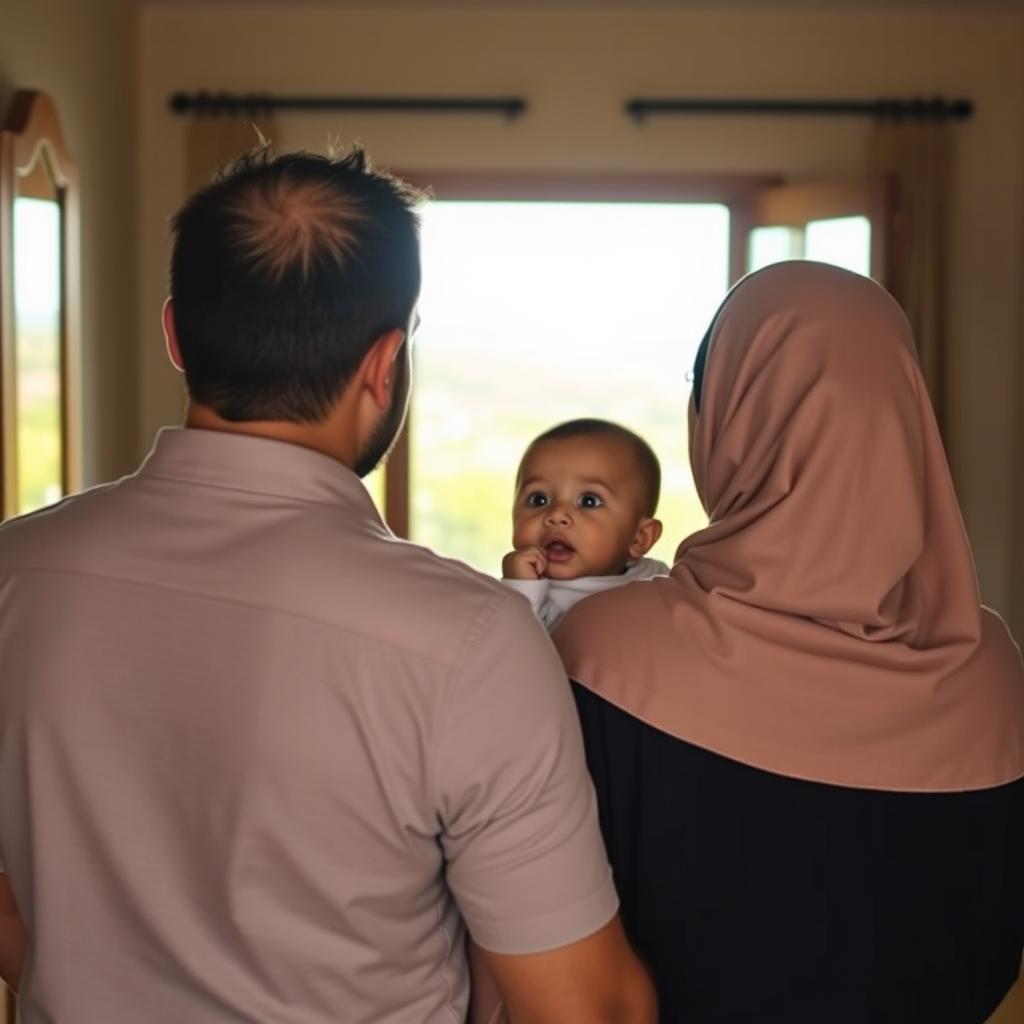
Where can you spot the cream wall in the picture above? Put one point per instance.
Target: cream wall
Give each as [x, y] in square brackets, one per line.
[576, 69]
[84, 55]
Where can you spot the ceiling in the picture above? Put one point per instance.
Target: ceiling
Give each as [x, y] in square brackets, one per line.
[623, 5]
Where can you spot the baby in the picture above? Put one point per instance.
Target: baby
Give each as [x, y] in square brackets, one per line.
[583, 520]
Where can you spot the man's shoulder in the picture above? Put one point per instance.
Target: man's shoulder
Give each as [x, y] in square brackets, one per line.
[385, 601]
[440, 603]
[410, 556]
[25, 537]
[344, 571]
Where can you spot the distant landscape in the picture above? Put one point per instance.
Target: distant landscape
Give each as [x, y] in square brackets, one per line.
[467, 442]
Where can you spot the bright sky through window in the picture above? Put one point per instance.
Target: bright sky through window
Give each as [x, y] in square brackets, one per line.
[37, 228]
[37, 351]
[538, 312]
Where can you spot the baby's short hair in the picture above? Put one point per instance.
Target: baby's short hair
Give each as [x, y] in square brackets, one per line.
[650, 468]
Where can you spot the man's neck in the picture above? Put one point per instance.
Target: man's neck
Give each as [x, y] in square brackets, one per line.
[325, 437]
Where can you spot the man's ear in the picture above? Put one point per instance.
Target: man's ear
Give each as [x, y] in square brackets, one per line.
[647, 534]
[171, 335]
[377, 368]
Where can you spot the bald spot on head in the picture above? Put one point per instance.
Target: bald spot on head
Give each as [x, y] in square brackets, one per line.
[284, 225]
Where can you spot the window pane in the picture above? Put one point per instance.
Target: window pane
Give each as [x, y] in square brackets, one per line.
[535, 313]
[773, 245]
[844, 241]
[38, 352]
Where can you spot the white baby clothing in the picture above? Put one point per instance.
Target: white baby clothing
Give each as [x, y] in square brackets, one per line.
[551, 599]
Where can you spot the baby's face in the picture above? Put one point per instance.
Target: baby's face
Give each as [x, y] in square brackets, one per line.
[579, 499]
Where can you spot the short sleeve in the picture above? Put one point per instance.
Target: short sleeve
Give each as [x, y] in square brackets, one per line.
[518, 815]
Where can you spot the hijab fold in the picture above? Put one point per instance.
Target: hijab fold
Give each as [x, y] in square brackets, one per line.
[826, 624]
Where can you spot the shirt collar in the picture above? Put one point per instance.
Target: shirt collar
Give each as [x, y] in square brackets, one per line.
[259, 465]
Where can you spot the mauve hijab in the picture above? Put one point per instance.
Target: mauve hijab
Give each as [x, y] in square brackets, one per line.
[826, 625]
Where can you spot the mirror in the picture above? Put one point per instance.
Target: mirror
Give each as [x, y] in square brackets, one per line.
[39, 377]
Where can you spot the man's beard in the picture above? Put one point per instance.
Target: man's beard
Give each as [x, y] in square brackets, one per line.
[386, 435]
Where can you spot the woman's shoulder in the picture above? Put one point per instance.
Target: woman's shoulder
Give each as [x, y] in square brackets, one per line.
[615, 609]
[607, 631]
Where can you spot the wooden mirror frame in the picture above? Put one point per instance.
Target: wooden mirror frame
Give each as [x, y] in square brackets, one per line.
[31, 131]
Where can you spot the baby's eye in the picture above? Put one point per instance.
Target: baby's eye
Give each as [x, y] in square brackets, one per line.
[536, 500]
[590, 500]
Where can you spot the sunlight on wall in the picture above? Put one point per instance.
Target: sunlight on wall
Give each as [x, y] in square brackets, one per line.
[534, 313]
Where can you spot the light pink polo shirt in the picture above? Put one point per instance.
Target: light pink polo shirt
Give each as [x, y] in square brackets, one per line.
[259, 759]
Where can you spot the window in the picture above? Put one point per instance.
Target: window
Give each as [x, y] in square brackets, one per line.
[538, 312]
[842, 223]
[563, 303]
[37, 300]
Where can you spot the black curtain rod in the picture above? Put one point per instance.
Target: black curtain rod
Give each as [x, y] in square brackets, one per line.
[916, 108]
[235, 104]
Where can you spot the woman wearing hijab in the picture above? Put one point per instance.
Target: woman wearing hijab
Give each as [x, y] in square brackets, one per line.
[808, 741]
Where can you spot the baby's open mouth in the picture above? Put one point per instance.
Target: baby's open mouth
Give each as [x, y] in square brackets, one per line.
[559, 550]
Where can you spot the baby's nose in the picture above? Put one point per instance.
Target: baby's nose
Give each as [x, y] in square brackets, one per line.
[559, 513]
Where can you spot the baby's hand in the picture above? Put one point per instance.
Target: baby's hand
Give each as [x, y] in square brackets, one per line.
[528, 564]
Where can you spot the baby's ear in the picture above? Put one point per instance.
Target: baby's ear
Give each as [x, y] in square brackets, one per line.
[647, 533]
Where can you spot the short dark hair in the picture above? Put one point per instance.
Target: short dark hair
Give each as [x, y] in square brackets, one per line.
[284, 271]
[646, 460]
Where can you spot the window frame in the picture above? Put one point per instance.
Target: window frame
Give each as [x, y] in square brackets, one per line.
[796, 204]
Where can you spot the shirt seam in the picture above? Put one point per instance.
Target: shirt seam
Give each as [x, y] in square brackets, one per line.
[237, 602]
[337, 501]
[533, 918]
[592, 899]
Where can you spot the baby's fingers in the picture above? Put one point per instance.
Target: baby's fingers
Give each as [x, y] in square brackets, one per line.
[538, 561]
